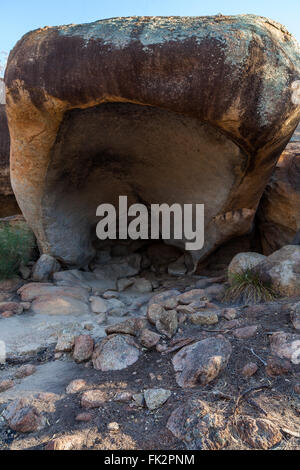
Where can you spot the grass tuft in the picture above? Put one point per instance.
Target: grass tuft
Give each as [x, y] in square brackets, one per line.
[246, 287]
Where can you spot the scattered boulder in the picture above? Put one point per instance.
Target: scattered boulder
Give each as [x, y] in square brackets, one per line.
[76, 386]
[201, 362]
[99, 282]
[14, 307]
[67, 442]
[277, 366]
[93, 399]
[281, 271]
[167, 324]
[53, 304]
[116, 308]
[244, 261]
[154, 313]
[246, 332]
[65, 343]
[23, 418]
[123, 397]
[132, 326]
[156, 397]
[149, 339]
[98, 305]
[258, 433]
[83, 348]
[113, 427]
[215, 291]
[142, 285]
[162, 297]
[115, 353]
[249, 369]
[33, 290]
[44, 268]
[191, 296]
[286, 346]
[84, 417]
[199, 427]
[204, 318]
[229, 313]
[6, 385]
[25, 371]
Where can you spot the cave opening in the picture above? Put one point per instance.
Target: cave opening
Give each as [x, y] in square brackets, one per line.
[149, 154]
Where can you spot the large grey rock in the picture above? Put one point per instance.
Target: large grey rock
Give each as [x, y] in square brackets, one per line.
[88, 280]
[156, 397]
[278, 213]
[53, 304]
[34, 290]
[44, 268]
[199, 427]
[244, 261]
[115, 353]
[159, 89]
[201, 362]
[282, 270]
[286, 346]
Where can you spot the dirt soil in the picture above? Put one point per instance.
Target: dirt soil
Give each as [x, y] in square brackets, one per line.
[143, 429]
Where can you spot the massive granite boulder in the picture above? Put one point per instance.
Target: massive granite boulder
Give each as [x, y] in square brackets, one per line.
[161, 109]
[8, 204]
[279, 210]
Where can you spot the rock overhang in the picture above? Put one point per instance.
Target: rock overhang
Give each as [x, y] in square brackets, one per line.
[232, 73]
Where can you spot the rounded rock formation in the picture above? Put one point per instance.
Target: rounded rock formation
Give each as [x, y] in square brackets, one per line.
[161, 109]
[8, 204]
[279, 210]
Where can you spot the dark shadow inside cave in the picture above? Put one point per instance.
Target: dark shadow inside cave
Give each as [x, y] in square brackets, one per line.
[148, 154]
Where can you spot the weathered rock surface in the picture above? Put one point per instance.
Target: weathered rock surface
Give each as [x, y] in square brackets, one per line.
[234, 139]
[44, 268]
[167, 323]
[198, 426]
[83, 348]
[34, 290]
[93, 399]
[22, 417]
[53, 304]
[244, 261]
[281, 270]
[286, 346]
[204, 318]
[115, 353]
[8, 203]
[258, 433]
[201, 362]
[132, 326]
[278, 214]
[156, 397]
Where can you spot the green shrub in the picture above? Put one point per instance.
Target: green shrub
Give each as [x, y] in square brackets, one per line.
[16, 245]
[248, 288]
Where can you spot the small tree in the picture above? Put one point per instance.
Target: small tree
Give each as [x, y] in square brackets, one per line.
[16, 246]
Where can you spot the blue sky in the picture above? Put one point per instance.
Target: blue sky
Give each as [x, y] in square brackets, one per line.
[20, 16]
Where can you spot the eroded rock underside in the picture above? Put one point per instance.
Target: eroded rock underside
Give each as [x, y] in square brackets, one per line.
[279, 210]
[8, 204]
[163, 110]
